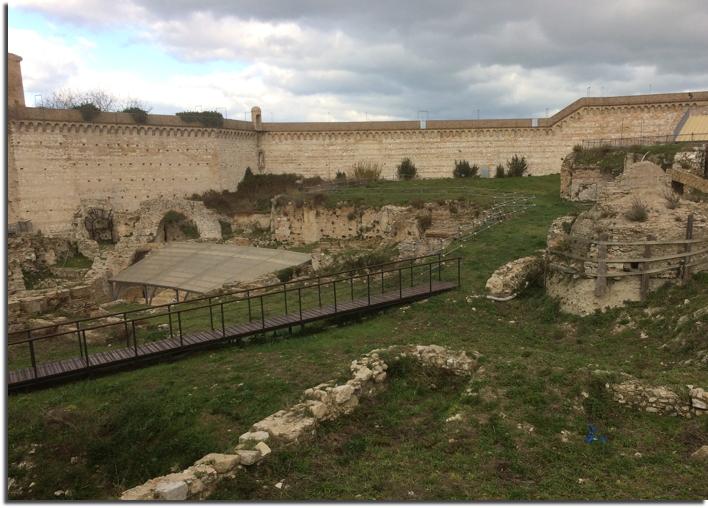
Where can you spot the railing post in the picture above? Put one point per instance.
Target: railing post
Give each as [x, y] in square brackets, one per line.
[179, 325]
[334, 291]
[368, 288]
[78, 336]
[351, 286]
[211, 314]
[32, 358]
[248, 298]
[299, 302]
[644, 277]
[285, 295]
[88, 362]
[382, 281]
[169, 317]
[262, 314]
[439, 266]
[400, 283]
[223, 323]
[601, 276]
[125, 327]
[135, 338]
[459, 278]
[319, 290]
[430, 278]
[686, 270]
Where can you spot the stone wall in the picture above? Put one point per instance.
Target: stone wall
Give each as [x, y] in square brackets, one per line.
[326, 401]
[660, 399]
[322, 149]
[56, 166]
[56, 160]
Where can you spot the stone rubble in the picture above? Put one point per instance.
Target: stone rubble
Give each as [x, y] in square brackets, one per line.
[325, 401]
[660, 399]
[511, 278]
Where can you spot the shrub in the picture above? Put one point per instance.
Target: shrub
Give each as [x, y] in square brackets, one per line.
[341, 176]
[406, 170]
[464, 170]
[285, 274]
[366, 171]
[206, 118]
[638, 211]
[417, 203]
[499, 172]
[138, 114]
[672, 199]
[248, 173]
[577, 148]
[517, 166]
[89, 111]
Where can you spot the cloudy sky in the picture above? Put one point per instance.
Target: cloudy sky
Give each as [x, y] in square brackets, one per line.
[320, 60]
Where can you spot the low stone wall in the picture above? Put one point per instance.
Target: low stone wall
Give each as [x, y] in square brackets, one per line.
[660, 399]
[325, 401]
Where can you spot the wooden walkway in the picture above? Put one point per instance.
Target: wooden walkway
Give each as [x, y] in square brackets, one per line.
[117, 358]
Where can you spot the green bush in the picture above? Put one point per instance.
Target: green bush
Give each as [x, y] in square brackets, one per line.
[89, 111]
[286, 274]
[499, 172]
[366, 171]
[464, 170]
[206, 118]
[406, 170]
[578, 148]
[138, 114]
[341, 176]
[517, 166]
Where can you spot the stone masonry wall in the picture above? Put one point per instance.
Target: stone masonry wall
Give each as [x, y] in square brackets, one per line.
[319, 150]
[56, 160]
[54, 166]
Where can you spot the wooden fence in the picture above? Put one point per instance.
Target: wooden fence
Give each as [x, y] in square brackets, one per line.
[691, 253]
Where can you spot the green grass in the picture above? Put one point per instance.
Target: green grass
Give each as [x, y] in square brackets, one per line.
[78, 260]
[127, 427]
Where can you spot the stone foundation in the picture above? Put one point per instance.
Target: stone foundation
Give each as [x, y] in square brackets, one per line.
[325, 401]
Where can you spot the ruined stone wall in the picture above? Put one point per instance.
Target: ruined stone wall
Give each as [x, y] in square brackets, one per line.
[56, 166]
[322, 149]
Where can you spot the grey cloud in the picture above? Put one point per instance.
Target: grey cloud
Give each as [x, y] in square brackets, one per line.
[450, 56]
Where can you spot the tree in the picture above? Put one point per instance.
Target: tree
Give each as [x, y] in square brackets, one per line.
[70, 99]
[406, 170]
[500, 171]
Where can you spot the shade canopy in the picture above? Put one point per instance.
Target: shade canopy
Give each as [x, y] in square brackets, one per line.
[203, 267]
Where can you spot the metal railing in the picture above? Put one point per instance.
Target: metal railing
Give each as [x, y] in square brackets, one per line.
[645, 140]
[288, 304]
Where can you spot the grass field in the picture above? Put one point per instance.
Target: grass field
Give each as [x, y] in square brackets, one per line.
[99, 436]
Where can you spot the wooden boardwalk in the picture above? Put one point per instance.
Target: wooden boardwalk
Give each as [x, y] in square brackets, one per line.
[118, 358]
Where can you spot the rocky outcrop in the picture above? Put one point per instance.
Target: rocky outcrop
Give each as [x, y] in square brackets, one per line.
[572, 256]
[325, 401]
[510, 279]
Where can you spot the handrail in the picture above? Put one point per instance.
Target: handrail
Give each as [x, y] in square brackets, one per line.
[221, 295]
[678, 241]
[630, 260]
[249, 296]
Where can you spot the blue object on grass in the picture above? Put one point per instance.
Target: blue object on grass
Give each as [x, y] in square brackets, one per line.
[593, 435]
